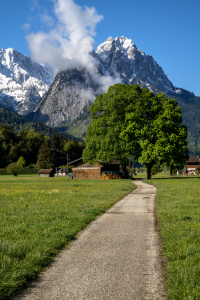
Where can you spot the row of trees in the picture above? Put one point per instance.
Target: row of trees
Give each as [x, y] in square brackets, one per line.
[128, 120]
[29, 143]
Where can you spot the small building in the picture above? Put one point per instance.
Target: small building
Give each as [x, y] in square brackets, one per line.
[61, 172]
[193, 164]
[46, 173]
[94, 171]
[86, 171]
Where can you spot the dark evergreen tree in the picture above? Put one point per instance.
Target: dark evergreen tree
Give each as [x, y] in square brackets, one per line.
[45, 157]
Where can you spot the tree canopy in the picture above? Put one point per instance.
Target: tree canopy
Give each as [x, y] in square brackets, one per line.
[128, 120]
[45, 158]
[27, 144]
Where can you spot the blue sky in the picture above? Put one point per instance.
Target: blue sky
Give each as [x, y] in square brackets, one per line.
[167, 30]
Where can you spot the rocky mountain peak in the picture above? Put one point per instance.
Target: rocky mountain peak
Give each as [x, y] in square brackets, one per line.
[121, 56]
[22, 81]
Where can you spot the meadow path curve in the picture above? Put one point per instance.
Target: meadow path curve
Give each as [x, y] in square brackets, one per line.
[117, 257]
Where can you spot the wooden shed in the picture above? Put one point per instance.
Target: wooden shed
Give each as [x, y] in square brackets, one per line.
[94, 171]
[46, 173]
[86, 171]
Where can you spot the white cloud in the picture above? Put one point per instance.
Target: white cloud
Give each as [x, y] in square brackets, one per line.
[71, 41]
[26, 26]
[33, 5]
[48, 20]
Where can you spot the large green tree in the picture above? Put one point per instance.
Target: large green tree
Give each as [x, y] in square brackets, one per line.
[108, 116]
[161, 139]
[128, 120]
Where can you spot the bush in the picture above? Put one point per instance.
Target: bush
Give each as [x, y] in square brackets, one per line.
[21, 161]
[14, 169]
[155, 169]
[3, 172]
[29, 171]
[31, 166]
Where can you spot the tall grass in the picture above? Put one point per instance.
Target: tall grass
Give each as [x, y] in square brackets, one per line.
[39, 216]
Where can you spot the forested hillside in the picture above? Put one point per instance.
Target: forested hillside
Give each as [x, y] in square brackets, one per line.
[17, 122]
[27, 144]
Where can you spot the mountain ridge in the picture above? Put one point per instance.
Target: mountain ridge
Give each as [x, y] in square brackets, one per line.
[66, 103]
[117, 57]
[22, 81]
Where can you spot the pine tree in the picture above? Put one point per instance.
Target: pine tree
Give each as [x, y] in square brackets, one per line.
[45, 157]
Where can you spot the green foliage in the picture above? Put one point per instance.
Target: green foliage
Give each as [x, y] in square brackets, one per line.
[130, 121]
[103, 139]
[3, 172]
[74, 149]
[14, 169]
[18, 122]
[21, 161]
[156, 126]
[155, 169]
[45, 159]
[27, 144]
[41, 215]
[77, 127]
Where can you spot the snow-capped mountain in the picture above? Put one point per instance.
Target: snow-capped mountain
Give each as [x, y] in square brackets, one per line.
[66, 99]
[121, 56]
[22, 81]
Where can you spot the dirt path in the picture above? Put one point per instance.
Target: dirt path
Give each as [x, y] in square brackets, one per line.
[117, 257]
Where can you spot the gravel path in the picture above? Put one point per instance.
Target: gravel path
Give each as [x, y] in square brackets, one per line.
[117, 257]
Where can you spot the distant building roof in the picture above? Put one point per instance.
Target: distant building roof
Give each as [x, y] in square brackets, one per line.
[192, 166]
[79, 163]
[75, 161]
[193, 160]
[45, 171]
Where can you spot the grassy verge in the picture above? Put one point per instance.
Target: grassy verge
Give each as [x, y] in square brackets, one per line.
[41, 215]
[178, 212]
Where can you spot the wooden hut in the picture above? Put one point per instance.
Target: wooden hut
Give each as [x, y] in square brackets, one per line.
[94, 171]
[46, 173]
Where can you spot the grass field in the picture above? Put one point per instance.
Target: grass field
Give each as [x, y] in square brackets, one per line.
[39, 216]
[178, 212]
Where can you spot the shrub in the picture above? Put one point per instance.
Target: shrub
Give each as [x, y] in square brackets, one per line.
[155, 169]
[14, 169]
[21, 161]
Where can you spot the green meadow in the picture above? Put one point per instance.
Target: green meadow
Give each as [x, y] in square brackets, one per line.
[178, 213]
[39, 216]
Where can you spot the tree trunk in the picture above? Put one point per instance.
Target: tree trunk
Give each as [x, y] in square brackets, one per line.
[148, 172]
[124, 170]
[171, 169]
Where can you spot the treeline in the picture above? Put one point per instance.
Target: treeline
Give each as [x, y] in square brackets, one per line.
[17, 122]
[27, 144]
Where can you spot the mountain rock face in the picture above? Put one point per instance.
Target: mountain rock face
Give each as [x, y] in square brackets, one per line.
[73, 90]
[67, 98]
[22, 81]
[121, 56]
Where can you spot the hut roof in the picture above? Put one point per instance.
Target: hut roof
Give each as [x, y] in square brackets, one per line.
[193, 160]
[45, 171]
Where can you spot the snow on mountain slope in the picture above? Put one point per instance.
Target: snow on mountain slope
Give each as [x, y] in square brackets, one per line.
[22, 81]
[134, 66]
[117, 57]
